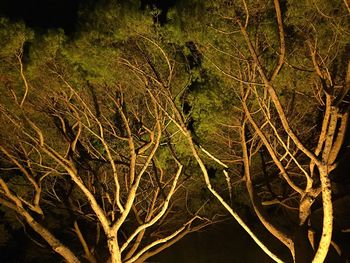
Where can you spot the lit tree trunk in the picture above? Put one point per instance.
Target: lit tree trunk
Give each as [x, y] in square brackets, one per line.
[327, 227]
[114, 249]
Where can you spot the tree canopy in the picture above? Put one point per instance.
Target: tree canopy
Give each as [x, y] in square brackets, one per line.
[153, 121]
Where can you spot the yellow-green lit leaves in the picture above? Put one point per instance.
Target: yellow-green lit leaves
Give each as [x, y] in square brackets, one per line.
[46, 48]
[320, 23]
[12, 37]
[106, 35]
[115, 21]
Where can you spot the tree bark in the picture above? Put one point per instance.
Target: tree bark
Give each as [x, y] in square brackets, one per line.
[327, 227]
[114, 249]
[55, 244]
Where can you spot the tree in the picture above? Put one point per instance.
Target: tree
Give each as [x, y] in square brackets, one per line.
[254, 51]
[98, 153]
[115, 125]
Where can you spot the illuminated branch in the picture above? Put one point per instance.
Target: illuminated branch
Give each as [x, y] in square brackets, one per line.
[26, 85]
[259, 210]
[275, 99]
[281, 38]
[271, 151]
[159, 215]
[16, 206]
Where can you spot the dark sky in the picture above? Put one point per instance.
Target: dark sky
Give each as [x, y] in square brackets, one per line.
[42, 13]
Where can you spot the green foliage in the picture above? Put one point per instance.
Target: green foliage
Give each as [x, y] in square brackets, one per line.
[45, 49]
[113, 21]
[104, 34]
[121, 52]
[323, 23]
[12, 37]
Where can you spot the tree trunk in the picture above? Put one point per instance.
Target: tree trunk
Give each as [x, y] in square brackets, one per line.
[114, 250]
[327, 227]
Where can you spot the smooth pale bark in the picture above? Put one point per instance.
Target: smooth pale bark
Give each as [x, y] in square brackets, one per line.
[160, 214]
[55, 244]
[151, 253]
[88, 255]
[327, 227]
[259, 210]
[274, 97]
[225, 204]
[114, 249]
[179, 121]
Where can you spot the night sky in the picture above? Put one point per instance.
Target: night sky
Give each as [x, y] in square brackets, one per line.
[42, 14]
[45, 14]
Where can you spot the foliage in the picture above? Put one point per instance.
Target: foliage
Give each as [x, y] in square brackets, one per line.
[85, 110]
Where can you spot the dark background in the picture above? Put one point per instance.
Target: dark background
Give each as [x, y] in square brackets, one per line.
[42, 14]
